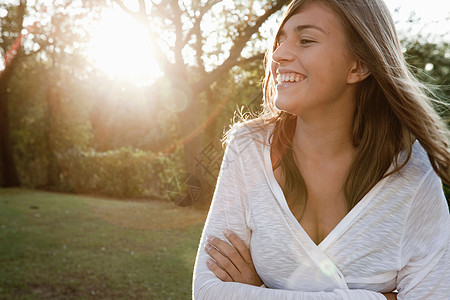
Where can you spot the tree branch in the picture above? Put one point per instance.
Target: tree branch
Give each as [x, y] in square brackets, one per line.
[126, 9]
[236, 50]
[178, 33]
[199, 48]
[195, 30]
[158, 10]
[243, 61]
[198, 20]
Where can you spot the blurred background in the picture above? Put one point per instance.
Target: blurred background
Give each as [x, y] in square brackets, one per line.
[111, 119]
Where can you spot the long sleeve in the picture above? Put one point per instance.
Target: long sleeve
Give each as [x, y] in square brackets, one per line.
[425, 246]
[230, 210]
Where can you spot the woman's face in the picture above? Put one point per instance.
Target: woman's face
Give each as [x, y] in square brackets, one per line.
[312, 64]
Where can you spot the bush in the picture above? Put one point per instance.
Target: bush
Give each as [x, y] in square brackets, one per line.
[119, 173]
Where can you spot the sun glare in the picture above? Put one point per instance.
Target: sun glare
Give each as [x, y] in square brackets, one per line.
[120, 47]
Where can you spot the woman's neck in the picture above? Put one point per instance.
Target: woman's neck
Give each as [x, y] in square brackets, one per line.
[326, 139]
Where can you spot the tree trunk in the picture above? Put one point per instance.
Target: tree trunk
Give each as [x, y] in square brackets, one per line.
[8, 167]
[189, 122]
[201, 143]
[53, 168]
[9, 174]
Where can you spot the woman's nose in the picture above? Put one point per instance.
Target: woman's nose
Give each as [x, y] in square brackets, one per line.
[283, 53]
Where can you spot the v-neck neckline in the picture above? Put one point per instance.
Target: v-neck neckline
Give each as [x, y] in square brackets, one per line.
[343, 224]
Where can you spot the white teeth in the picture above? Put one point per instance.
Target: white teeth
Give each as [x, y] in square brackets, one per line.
[291, 77]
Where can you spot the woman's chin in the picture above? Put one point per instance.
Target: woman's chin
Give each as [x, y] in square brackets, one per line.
[286, 106]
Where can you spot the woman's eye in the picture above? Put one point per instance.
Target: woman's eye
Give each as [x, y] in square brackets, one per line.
[306, 41]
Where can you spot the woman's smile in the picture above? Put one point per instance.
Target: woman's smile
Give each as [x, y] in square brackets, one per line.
[286, 80]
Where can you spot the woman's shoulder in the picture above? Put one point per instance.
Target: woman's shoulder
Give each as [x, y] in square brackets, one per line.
[250, 130]
[418, 169]
[419, 161]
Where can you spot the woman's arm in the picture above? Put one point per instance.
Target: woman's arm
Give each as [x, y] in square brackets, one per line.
[425, 264]
[233, 263]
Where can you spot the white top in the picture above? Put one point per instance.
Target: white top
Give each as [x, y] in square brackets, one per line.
[396, 237]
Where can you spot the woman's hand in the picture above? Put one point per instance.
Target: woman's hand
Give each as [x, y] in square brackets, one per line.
[390, 296]
[231, 263]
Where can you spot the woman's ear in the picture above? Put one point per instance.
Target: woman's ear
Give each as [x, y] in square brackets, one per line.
[358, 72]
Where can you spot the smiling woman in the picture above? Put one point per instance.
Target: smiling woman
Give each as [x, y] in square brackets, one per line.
[335, 190]
[120, 47]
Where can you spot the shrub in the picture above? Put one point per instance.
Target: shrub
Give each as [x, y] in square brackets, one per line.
[124, 172]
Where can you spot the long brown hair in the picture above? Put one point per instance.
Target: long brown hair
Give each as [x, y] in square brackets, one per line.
[393, 108]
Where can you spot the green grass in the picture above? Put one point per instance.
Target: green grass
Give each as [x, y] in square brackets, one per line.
[76, 247]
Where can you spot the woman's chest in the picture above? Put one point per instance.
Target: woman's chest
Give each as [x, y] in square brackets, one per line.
[319, 209]
[286, 257]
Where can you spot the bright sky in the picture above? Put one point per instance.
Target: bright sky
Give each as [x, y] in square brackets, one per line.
[434, 13]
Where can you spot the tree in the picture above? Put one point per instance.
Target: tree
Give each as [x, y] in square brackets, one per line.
[49, 38]
[177, 26]
[11, 30]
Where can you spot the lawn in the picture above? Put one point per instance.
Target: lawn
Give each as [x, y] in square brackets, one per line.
[76, 247]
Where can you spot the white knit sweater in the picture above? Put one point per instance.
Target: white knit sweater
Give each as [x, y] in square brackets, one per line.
[396, 237]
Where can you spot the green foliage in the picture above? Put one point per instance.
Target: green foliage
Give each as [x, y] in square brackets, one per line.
[124, 172]
[431, 64]
[29, 123]
[123, 115]
[46, 118]
[52, 125]
[431, 58]
[10, 25]
[447, 192]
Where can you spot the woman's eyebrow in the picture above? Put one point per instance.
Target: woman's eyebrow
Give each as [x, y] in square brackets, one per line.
[300, 28]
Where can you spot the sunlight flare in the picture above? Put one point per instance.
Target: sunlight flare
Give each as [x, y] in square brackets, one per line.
[121, 48]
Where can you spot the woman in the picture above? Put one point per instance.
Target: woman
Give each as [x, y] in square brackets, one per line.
[335, 189]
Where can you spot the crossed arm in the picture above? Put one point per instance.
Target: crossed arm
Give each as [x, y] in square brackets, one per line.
[233, 263]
